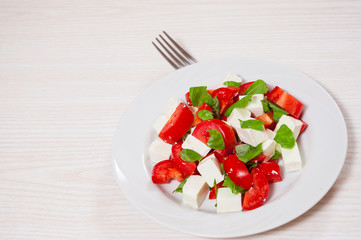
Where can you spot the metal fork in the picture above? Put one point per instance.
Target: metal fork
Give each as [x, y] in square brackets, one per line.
[180, 57]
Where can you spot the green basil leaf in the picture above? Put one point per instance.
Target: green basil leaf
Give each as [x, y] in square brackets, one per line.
[250, 165]
[242, 103]
[265, 106]
[180, 186]
[205, 114]
[284, 137]
[277, 111]
[222, 167]
[215, 140]
[231, 185]
[232, 84]
[247, 152]
[252, 124]
[196, 95]
[258, 87]
[276, 155]
[215, 187]
[189, 155]
[215, 107]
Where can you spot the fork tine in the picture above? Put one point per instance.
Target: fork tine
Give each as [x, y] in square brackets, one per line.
[180, 48]
[170, 54]
[176, 52]
[165, 56]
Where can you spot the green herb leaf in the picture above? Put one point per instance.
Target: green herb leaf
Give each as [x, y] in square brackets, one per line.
[276, 155]
[189, 155]
[222, 167]
[215, 187]
[196, 95]
[232, 84]
[277, 111]
[265, 106]
[215, 107]
[205, 114]
[231, 185]
[247, 152]
[215, 140]
[284, 137]
[258, 87]
[250, 165]
[242, 103]
[180, 186]
[252, 124]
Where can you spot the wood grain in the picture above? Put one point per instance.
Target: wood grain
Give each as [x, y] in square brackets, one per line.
[69, 70]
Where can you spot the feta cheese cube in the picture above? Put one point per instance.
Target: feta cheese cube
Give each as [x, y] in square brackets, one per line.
[196, 145]
[251, 136]
[227, 201]
[291, 159]
[236, 115]
[271, 134]
[268, 148]
[160, 122]
[171, 106]
[232, 77]
[159, 150]
[194, 191]
[255, 106]
[292, 123]
[210, 169]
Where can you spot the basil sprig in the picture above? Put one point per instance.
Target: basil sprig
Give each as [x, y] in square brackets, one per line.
[199, 95]
[284, 137]
[258, 87]
[215, 140]
[189, 155]
[247, 152]
[252, 124]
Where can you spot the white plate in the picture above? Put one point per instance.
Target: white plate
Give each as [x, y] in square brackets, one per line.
[323, 149]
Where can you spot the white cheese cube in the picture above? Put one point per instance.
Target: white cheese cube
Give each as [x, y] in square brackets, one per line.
[255, 106]
[159, 150]
[236, 115]
[196, 145]
[210, 169]
[232, 77]
[268, 148]
[160, 122]
[271, 134]
[194, 191]
[251, 136]
[291, 159]
[292, 123]
[227, 201]
[171, 106]
[278, 147]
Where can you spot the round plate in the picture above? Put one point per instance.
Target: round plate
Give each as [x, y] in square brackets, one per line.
[322, 156]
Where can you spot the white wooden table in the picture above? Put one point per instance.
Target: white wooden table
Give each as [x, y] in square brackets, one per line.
[69, 70]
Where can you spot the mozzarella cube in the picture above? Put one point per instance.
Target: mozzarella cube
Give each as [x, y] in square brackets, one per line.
[271, 134]
[291, 159]
[227, 201]
[268, 148]
[236, 115]
[160, 122]
[210, 169]
[232, 77]
[251, 136]
[196, 145]
[255, 106]
[292, 123]
[171, 106]
[159, 150]
[194, 191]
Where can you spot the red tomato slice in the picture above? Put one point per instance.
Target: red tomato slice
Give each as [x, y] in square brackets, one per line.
[186, 168]
[259, 158]
[258, 193]
[285, 101]
[221, 155]
[177, 125]
[267, 118]
[237, 172]
[271, 170]
[189, 102]
[202, 134]
[212, 193]
[226, 97]
[197, 120]
[304, 125]
[244, 87]
[164, 171]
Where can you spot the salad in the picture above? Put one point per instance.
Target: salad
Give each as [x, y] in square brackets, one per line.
[226, 143]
